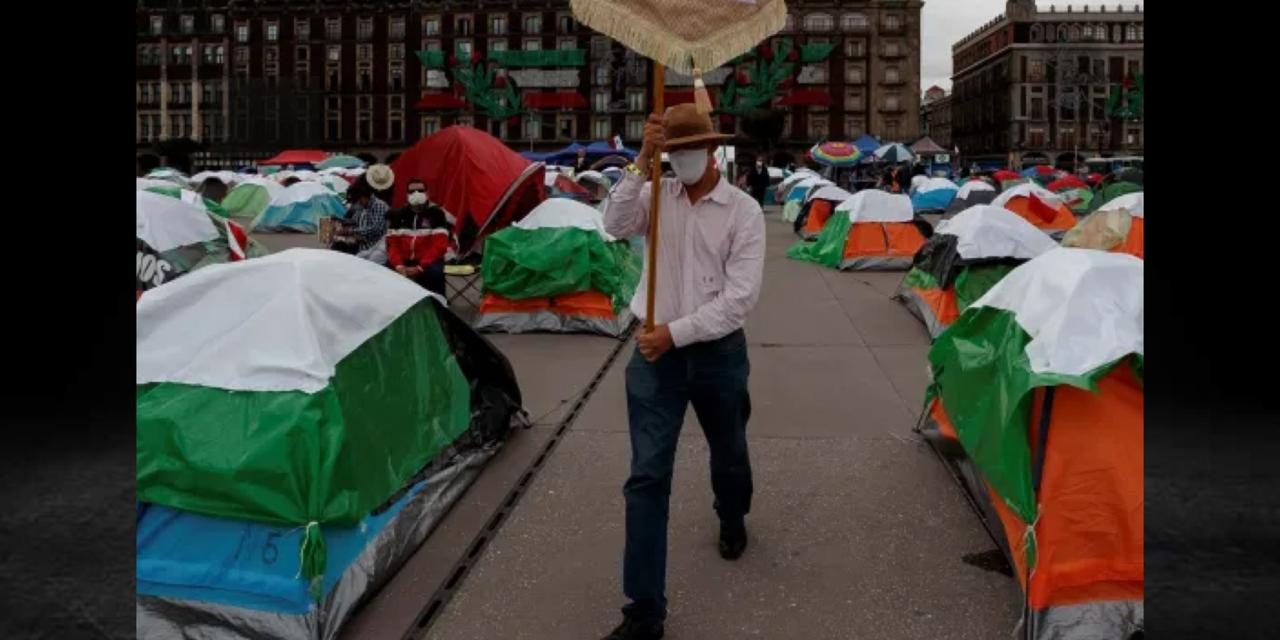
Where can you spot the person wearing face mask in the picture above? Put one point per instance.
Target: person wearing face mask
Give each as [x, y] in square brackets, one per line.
[420, 239]
[710, 263]
[758, 181]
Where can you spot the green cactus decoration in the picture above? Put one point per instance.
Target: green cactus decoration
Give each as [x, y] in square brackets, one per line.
[768, 68]
[1126, 102]
[494, 97]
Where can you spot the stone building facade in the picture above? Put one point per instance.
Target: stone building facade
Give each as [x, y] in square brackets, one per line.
[248, 78]
[1049, 86]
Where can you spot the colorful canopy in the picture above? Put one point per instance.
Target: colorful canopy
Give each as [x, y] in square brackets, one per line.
[476, 177]
[836, 154]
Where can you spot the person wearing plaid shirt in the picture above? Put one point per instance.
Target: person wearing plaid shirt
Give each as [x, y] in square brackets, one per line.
[368, 220]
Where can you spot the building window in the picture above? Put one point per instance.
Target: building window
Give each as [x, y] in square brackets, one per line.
[217, 23]
[853, 100]
[157, 25]
[273, 31]
[1075, 33]
[853, 74]
[892, 22]
[270, 55]
[1087, 32]
[532, 127]
[600, 128]
[818, 125]
[333, 53]
[181, 55]
[853, 127]
[430, 125]
[532, 44]
[395, 53]
[464, 47]
[364, 126]
[853, 22]
[332, 80]
[498, 25]
[395, 27]
[333, 28]
[565, 23]
[242, 32]
[300, 54]
[602, 74]
[1037, 33]
[891, 49]
[207, 51]
[395, 127]
[431, 45]
[1035, 70]
[1131, 33]
[1133, 137]
[364, 29]
[567, 43]
[1035, 138]
[302, 29]
[188, 24]
[600, 47]
[498, 44]
[855, 48]
[364, 78]
[635, 100]
[333, 126]
[465, 121]
[818, 22]
[396, 103]
[462, 25]
[891, 75]
[892, 102]
[396, 78]
[302, 75]
[1064, 34]
[364, 52]
[431, 26]
[892, 129]
[532, 23]
[600, 101]
[635, 128]
[566, 127]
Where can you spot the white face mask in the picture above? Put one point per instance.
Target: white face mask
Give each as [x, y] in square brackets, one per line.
[417, 198]
[689, 164]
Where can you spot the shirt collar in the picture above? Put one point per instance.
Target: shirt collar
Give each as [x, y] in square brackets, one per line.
[718, 194]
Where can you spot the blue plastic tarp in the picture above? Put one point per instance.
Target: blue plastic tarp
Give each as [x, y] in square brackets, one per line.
[242, 563]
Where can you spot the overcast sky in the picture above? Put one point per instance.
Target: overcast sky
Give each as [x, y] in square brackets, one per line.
[945, 21]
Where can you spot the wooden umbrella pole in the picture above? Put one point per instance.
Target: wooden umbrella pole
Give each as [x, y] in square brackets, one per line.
[655, 191]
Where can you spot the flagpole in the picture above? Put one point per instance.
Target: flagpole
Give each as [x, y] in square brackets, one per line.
[655, 190]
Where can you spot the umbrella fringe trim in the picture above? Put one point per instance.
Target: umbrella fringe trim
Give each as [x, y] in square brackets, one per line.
[620, 23]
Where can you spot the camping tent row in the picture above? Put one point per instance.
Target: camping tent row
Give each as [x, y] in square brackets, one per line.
[304, 420]
[558, 270]
[1036, 402]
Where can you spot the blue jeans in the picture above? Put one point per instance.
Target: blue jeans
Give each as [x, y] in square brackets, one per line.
[712, 376]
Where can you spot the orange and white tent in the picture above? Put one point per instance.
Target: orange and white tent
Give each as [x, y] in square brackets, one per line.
[817, 209]
[871, 230]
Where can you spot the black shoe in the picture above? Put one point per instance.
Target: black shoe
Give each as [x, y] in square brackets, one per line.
[733, 538]
[633, 629]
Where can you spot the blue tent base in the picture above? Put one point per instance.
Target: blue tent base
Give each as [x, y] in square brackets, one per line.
[218, 578]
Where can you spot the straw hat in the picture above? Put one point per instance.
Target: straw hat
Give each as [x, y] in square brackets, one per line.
[685, 127]
[380, 177]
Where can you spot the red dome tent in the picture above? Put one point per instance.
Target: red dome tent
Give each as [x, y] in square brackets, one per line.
[296, 156]
[486, 185]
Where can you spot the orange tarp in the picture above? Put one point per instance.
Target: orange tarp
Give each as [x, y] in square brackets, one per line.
[942, 302]
[882, 239]
[1133, 243]
[584, 303]
[1090, 532]
[819, 212]
[1043, 216]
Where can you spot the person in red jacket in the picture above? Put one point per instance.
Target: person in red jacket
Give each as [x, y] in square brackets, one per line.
[420, 239]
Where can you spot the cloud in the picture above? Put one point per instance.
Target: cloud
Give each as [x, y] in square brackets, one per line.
[943, 22]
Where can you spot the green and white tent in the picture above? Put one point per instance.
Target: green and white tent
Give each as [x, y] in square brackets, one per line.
[180, 232]
[247, 200]
[303, 388]
[558, 270]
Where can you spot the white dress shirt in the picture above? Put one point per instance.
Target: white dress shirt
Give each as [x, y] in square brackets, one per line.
[710, 255]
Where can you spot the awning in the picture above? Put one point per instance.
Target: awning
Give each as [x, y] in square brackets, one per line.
[675, 97]
[806, 98]
[440, 101]
[555, 100]
[296, 156]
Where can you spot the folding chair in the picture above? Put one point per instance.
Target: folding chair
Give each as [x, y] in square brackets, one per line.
[462, 282]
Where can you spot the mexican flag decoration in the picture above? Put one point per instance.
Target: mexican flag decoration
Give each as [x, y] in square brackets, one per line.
[177, 235]
[557, 270]
[263, 392]
[1041, 381]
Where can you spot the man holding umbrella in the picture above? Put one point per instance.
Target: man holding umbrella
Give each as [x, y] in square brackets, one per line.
[711, 260]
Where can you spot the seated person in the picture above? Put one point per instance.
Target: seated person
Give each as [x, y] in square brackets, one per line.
[420, 239]
[366, 221]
